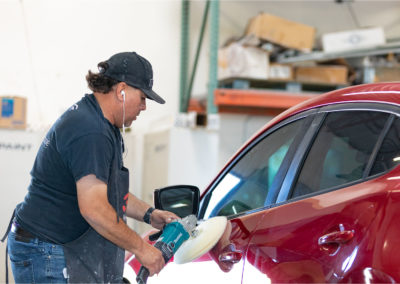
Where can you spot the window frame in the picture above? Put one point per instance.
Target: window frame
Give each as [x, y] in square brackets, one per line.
[309, 116]
[298, 162]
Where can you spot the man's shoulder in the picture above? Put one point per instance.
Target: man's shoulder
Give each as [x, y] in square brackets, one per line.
[81, 119]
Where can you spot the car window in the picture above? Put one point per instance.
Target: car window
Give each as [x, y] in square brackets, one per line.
[389, 153]
[246, 185]
[341, 150]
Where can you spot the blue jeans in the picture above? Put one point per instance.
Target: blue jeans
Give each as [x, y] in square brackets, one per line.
[36, 261]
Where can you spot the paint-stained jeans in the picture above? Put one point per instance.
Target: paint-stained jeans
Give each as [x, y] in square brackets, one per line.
[36, 261]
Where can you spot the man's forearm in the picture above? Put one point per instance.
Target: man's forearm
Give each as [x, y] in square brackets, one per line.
[104, 221]
[136, 208]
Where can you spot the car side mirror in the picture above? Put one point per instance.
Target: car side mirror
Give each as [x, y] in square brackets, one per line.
[182, 200]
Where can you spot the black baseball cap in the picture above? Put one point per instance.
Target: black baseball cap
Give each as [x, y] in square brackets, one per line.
[133, 69]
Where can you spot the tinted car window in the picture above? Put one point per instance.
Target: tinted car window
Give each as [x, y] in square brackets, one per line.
[341, 150]
[389, 152]
[246, 185]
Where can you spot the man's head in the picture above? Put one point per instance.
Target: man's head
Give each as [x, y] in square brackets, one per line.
[127, 80]
[128, 67]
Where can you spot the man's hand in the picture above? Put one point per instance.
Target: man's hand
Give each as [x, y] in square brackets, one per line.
[159, 218]
[151, 258]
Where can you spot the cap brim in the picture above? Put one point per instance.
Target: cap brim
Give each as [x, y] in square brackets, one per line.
[153, 96]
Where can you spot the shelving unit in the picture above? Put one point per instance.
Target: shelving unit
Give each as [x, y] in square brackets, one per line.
[393, 47]
[265, 97]
[257, 102]
[212, 8]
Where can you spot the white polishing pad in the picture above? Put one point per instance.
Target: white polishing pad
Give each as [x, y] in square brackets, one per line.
[208, 234]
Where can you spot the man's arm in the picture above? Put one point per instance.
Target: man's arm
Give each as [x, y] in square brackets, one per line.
[137, 208]
[97, 211]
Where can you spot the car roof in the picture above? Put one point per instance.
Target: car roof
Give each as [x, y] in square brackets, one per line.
[388, 93]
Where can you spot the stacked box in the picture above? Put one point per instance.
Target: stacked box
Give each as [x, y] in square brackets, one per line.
[281, 31]
[387, 74]
[280, 72]
[13, 112]
[237, 60]
[324, 74]
[353, 39]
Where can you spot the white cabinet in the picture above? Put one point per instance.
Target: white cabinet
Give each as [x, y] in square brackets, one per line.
[17, 153]
[175, 156]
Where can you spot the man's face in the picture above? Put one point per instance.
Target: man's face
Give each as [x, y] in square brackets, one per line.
[135, 102]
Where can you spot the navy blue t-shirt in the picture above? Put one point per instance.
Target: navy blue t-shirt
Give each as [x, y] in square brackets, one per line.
[81, 142]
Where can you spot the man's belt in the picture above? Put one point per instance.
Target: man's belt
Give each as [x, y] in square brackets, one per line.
[21, 234]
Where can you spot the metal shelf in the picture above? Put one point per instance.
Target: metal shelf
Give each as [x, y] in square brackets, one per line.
[260, 102]
[323, 56]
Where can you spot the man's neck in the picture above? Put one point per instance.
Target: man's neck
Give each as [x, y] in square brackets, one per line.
[106, 104]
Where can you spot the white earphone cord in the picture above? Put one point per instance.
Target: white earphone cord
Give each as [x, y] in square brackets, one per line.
[123, 126]
[123, 114]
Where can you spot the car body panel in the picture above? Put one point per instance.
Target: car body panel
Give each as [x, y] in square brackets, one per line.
[286, 246]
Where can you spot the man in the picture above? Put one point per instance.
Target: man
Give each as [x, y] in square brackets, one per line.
[71, 224]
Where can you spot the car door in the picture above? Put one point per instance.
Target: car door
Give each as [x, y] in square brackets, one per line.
[242, 191]
[326, 203]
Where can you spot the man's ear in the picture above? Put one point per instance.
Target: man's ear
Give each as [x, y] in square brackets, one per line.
[120, 91]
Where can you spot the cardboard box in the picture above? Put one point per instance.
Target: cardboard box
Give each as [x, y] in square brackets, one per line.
[13, 112]
[353, 39]
[280, 72]
[281, 31]
[387, 74]
[237, 60]
[324, 74]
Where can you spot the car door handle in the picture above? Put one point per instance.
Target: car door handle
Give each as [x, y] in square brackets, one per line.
[229, 255]
[338, 237]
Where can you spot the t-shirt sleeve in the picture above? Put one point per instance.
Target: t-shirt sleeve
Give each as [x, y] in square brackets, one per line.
[90, 154]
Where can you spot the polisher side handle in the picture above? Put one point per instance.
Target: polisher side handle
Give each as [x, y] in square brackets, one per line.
[155, 236]
[167, 254]
[142, 276]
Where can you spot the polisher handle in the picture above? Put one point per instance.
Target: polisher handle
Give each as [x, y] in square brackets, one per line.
[155, 236]
[142, 276]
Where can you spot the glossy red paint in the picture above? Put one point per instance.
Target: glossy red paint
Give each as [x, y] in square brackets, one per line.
[378, 92]
[299, 256]
[349, 235]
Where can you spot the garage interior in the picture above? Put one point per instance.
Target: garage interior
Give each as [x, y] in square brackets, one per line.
[224, 67]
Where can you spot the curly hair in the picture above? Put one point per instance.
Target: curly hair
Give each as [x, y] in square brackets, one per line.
[99, 83]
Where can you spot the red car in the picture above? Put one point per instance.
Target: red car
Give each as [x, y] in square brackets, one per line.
[313, 197]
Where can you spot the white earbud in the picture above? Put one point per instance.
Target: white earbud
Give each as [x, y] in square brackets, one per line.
[123, 95]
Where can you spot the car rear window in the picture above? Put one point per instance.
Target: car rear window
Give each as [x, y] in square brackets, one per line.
[341, 150]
